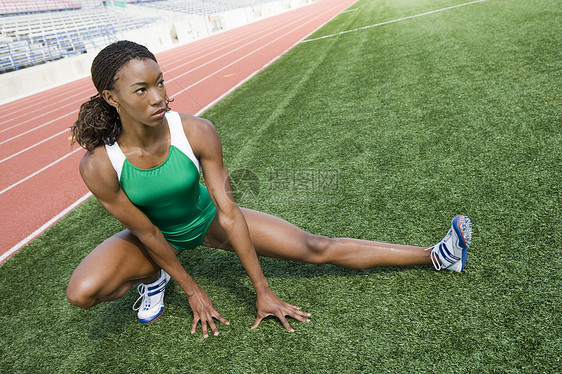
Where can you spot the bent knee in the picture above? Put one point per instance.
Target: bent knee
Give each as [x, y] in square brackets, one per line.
[318, 248]
[81, 294]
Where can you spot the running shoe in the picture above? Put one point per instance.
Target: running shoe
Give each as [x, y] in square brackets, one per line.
[451, 252]
[151, 298]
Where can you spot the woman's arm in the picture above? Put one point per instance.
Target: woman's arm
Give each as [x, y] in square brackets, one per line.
[206, 145]
[101, 179]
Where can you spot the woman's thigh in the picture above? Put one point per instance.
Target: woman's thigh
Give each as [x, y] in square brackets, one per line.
[118, 261]
[271, 236]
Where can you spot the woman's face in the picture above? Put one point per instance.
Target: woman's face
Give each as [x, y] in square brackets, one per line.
[139, 93]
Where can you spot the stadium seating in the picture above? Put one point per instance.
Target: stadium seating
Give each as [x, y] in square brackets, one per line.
[204, 7]
[31, 39]
[11, 7]
[34, 25]
[36, 31]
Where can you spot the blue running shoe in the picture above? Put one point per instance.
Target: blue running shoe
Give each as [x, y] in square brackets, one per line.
[151, 298]
[451, 252]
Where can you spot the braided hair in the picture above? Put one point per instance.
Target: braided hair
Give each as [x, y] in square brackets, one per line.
[98, 122]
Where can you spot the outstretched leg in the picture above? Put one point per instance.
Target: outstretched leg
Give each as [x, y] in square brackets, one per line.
[274, 237]
[110, 270]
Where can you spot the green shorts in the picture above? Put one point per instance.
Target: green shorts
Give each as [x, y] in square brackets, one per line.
[192, 235]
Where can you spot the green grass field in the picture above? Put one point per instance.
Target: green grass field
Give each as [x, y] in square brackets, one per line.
[385, 133]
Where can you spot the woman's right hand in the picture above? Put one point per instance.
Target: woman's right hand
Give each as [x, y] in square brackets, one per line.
[204, 312]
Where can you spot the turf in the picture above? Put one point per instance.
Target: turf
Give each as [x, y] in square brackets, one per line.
[384, 133]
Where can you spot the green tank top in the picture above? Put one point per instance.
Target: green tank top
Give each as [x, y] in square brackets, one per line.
[169, 194]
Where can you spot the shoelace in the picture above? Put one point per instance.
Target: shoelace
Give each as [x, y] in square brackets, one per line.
[434, 257]
[143, 291]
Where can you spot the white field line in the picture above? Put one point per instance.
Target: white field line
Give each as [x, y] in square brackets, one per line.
[262, 68]
[40, 170]
[48, 224]
[392, 21]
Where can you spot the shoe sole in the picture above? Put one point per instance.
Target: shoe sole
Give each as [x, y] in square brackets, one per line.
[463, 228]
[147, 321]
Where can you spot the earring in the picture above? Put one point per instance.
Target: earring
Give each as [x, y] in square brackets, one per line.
[118, 111]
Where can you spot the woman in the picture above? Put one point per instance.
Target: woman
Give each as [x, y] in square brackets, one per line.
[143, 165]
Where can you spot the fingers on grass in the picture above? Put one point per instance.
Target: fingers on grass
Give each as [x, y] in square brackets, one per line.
[194, 325]
[296, 313]
[285, 323]
[221, 319]
[208, 322]
[258, 320]
[299, 315]
[213, 327]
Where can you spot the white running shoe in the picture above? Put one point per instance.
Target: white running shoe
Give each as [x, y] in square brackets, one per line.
[451, 252]
[151, 298]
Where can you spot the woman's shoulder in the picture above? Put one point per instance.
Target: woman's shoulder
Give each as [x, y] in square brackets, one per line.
[195, 123]
[196, 128]
[96, 163]
[200, 132]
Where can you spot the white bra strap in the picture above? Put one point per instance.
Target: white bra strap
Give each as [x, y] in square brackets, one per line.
[178, 138]
[117, 158]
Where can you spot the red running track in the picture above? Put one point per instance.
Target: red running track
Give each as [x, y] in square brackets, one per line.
[39, 178]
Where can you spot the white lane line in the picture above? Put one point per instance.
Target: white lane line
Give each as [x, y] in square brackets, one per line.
[253, 40]
[34, 145]
[41, 107]
[48, 224]
[9, 114]
[38, 127]
[247, 35]
[247, 55]
[260, 69]
[39, 171]
[392, 21]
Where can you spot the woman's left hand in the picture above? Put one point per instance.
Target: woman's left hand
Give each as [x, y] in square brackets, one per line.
[269, 304]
